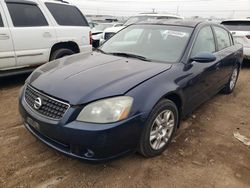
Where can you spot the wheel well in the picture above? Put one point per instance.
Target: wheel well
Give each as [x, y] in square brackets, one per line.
[69, 45]
[176, 99]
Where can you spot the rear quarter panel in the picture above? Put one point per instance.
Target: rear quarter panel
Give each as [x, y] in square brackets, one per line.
[79, 35]
[239, 54]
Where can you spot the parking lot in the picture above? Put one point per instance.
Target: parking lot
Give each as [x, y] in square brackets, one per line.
[203, 154]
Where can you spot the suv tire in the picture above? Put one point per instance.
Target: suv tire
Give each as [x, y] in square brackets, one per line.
[60, 53]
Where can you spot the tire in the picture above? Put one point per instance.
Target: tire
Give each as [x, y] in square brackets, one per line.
[60, 53]
[229, 87]
[152, 133]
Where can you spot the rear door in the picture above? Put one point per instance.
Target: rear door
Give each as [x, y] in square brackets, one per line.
[70, 24]
[32, 34]
[227, 52]
[7, 53]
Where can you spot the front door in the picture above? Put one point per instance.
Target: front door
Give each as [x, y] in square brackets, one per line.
[7, 53]
[32, 35]
[203, 77]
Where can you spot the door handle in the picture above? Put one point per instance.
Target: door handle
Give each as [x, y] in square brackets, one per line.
[4, 36]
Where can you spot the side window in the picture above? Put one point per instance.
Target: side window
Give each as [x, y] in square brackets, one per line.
[1, 21]
[66, 15]
[204, 42]
[26, 15]
[222, 38]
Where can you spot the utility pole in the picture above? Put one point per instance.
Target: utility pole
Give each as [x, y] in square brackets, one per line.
[177, 11]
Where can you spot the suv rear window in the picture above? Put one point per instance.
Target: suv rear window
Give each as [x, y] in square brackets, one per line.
[26, 15]
[237, 25]
[1, 21]
[67, 15]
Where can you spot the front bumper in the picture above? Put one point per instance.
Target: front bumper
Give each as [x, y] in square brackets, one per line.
[92, 142]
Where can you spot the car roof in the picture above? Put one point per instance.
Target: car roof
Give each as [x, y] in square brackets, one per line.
[158, 14]
[36, 1]
[236, 20]
[65, 2]
[185, 23]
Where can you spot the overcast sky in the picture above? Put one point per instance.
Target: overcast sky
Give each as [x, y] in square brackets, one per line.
[186, 8]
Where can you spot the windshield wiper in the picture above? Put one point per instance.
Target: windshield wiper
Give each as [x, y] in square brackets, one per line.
[130, 55]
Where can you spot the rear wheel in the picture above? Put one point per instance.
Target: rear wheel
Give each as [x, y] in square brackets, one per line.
[159, 129]
[232, 81]
[60, 53]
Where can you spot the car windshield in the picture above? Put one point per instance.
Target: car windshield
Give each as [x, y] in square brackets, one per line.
[159, 43]
[136, 19]
[237, 25]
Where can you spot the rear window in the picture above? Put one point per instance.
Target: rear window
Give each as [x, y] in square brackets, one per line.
[1, 21]
[26, 15]
[67, 15]
[222, 38]
[237, 25]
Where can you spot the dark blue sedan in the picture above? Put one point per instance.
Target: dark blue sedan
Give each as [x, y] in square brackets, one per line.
[131, 94]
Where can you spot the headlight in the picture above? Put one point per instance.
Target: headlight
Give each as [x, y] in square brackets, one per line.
[106, 110]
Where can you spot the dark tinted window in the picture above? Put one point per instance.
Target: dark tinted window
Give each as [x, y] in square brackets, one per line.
[237, 25]
[66, 15]
[204, 42]
[222, 38]
[1, 21]
[26, 15]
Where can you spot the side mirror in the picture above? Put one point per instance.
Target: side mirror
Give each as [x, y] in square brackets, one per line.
[204, 57]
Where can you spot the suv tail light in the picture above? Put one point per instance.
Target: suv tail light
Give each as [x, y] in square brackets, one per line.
[90, 38]
[248, 36]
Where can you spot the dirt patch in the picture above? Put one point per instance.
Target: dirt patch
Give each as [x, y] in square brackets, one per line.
[204, 152]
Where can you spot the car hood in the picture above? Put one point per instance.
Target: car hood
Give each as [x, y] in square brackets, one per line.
[83, 78]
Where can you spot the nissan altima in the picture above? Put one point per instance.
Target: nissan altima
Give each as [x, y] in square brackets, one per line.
[131, 93]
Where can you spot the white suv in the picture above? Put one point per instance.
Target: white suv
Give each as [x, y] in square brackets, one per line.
[240, 29]
[33, 32]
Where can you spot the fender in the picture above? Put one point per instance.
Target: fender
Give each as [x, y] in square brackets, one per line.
[149, 93]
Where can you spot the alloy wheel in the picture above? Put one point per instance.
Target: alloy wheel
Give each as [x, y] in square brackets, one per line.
[162, 129]
[233, 78]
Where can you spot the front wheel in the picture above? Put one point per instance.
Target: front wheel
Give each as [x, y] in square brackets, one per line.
[232, 81]
[159, 129]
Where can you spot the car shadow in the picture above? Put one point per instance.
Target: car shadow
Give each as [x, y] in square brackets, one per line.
[13, 81]
[246, 64]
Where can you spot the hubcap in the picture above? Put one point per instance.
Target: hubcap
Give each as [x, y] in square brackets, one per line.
[233, 78]
[162, 129]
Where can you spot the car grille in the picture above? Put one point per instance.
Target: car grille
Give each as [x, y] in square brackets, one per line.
[108, 35]
[50, 107]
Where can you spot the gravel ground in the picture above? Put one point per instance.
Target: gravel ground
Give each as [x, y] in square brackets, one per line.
[204, 152]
